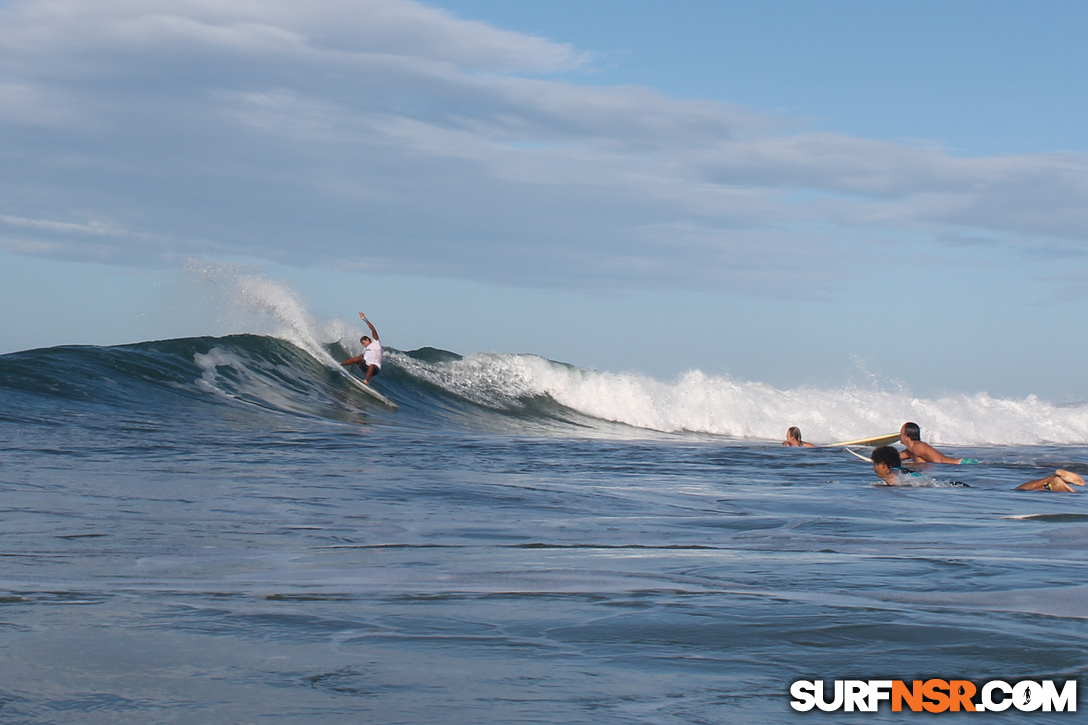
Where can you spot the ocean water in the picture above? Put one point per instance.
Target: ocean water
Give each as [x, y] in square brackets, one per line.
[223, 530]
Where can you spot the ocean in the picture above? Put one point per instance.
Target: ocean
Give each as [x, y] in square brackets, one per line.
[224, 530]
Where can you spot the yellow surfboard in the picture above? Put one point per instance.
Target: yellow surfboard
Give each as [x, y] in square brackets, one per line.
[874, 441]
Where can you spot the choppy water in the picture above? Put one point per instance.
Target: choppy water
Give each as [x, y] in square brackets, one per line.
[222, 530]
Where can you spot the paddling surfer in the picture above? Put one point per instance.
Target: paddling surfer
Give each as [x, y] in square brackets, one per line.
[889, 468]
[1058, 482]
[371, 359]
[910, 435]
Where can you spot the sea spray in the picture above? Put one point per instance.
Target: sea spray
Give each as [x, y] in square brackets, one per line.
[247, 301]
[700, 403]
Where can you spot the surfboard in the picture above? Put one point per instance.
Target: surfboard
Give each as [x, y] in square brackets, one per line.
[874, 441]
[852, 452]
[1052, 518]
[360, 385]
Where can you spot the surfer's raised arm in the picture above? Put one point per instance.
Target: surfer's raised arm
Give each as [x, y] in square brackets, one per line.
[369, 324]
[371, 359]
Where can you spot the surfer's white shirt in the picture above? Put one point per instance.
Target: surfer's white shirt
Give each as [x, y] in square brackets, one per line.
[372, 354]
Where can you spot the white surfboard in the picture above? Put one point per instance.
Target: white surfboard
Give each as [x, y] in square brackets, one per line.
[360, 385]
[852, 452]
[874, 441]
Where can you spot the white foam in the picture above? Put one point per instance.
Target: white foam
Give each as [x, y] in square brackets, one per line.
[208, 364]
[723, 406]
[249, 302]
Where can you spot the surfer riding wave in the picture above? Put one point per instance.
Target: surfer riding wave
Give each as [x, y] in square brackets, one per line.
[371, 359]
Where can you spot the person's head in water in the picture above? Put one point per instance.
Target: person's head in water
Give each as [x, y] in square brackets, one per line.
[886, 462]
[911, 431]
[793, 439]
[888, 456]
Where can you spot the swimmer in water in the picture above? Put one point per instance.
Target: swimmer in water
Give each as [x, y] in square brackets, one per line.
[888, 466]
[1060, 481]
[910, 435]
[793, 439]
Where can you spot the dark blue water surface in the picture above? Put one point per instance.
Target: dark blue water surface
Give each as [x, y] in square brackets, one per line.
[226, 531]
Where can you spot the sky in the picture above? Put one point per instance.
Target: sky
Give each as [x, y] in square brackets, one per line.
[796, 193]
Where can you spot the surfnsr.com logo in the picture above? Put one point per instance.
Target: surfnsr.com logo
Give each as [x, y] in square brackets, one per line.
[935, 696]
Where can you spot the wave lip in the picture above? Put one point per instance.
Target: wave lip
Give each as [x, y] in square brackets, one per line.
[515, 393]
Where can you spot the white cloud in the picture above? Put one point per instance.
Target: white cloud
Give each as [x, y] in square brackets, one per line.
[45, 224]
[326, 31]
[392, 136]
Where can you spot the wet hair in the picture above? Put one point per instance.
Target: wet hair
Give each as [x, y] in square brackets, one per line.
[888, 456]
[912, 431]
[794, 433]
[363, 339]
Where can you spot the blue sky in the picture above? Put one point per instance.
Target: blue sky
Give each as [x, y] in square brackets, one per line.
[798, 193]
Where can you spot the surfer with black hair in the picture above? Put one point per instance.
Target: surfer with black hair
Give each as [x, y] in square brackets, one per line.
[793, 439]
[910, 435]
[889, 467]
[371, 359]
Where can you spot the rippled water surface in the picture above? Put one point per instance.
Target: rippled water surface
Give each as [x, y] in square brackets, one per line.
[186, 546]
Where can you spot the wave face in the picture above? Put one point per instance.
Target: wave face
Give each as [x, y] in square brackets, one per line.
[504, 393]
[270, 355]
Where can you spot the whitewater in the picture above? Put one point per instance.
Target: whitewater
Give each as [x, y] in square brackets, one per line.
[221, 529]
